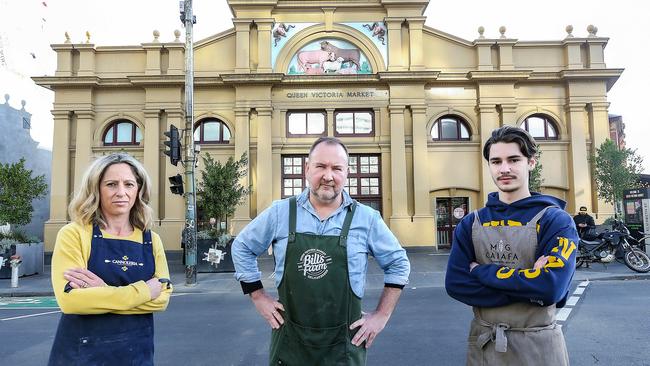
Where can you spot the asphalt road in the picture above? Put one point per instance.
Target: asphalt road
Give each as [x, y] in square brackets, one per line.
[608, 325]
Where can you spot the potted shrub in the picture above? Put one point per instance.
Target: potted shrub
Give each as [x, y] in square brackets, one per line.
[17, 191]
[218, 194]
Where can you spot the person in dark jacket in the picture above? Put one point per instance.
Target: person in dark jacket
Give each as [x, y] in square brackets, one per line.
[584, 223]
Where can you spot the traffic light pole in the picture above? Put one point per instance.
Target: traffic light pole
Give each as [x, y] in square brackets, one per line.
[190, 157]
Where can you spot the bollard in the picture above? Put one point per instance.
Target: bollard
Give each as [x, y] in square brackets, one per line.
[15, 264]
[14, 276]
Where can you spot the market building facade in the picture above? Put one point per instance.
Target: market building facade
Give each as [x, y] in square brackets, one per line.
[413, 104]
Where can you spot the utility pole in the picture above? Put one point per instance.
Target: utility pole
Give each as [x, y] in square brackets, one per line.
[189, 233]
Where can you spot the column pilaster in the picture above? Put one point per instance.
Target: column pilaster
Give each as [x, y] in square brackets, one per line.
[152, 154]
[398, 162]
[84, 143]
[579, 172]
[415, 43]
[508, 114]
[242, 146]
[423, 221]
[60, 189]
[264, 158]
[489, 121]
[264, 44]
[242, 40]
[394, 26]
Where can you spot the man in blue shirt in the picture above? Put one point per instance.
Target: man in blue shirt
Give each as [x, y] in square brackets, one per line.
[321, 240]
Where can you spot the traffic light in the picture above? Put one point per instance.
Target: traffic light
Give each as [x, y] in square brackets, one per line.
[174, 144]
[176, 184]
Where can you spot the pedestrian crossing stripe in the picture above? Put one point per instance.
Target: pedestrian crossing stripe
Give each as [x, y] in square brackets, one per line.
[45, 302]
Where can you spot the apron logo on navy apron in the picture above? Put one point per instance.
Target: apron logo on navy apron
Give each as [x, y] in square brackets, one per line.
[313, 264]
[501, 253]
[124, 262]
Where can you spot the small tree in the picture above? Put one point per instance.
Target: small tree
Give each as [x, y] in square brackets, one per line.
[17, 191]
[220, 191]
[536, 180]
[615, 170]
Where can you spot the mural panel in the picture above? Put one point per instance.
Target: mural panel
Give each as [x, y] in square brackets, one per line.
[327, 56]
[377, 33]
[282, 33]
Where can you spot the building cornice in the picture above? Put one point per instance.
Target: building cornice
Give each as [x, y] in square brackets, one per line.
[608, 75]
[419, 76]
[499, 76]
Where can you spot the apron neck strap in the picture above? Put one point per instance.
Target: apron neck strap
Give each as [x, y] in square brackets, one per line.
[97, 233]
[292, 219]
[343, 240]
[536, 218]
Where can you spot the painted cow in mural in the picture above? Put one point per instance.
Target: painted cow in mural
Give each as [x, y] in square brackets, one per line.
[307, 58]
[280, 30]
[348, 54]
[378, 30]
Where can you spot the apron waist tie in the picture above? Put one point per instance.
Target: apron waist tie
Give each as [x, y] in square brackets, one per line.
[497, 334]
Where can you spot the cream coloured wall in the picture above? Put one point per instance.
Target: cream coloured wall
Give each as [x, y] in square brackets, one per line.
[488, 82]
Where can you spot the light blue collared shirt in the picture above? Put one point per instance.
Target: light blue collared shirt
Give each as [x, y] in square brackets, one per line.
[368, 235]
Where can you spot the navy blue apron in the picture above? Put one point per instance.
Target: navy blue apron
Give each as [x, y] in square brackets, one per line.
[109, 339]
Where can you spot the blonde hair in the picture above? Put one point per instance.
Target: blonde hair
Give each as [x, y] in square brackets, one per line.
[85, 206]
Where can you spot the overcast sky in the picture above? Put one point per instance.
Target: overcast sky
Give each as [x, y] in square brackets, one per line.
[28, 27]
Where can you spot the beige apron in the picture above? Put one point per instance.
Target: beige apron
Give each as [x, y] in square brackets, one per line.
[517, 334]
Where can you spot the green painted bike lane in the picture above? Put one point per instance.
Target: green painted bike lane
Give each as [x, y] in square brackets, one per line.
[41, 302]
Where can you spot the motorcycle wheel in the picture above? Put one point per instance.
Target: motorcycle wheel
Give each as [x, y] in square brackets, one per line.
[637, 260]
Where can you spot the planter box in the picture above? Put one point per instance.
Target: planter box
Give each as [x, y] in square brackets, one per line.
[203, 266]
[32, 256]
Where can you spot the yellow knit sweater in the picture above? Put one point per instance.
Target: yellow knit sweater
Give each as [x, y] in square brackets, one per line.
[72, 250]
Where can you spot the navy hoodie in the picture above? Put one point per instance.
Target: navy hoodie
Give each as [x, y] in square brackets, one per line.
[556, 237]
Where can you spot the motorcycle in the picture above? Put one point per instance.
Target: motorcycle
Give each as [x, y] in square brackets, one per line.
[606, 245]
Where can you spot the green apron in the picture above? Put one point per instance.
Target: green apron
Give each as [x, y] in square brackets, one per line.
[518, 334]
[319, 302]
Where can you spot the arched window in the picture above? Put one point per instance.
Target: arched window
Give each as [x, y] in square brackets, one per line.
[211, 131]
[541, 127]
[450, 128]
[122, 132]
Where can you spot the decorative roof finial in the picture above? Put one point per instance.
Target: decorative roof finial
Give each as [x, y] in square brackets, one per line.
[569, 30]
[592, 30]
[87, 37]
[177, 34]
[481, 30]
[502, 30]
[67, 38]
[156, 34]
[22, 103]
[7, 98]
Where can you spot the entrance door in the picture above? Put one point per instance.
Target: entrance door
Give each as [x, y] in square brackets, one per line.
[449, 212]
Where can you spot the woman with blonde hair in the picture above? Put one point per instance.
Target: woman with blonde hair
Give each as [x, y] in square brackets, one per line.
[109, 270]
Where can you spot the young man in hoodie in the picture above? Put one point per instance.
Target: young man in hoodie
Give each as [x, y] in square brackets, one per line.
[513, 262]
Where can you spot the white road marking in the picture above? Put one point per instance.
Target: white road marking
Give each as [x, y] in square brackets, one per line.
[573, 300]
[563, 314]
[30, 315]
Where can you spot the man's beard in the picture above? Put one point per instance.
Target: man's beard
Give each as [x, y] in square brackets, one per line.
[325, 196]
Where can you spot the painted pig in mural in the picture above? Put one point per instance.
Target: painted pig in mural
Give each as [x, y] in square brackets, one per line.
[348, 54]
[306, 58]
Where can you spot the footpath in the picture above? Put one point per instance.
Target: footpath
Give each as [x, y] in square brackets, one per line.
[427, 270]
